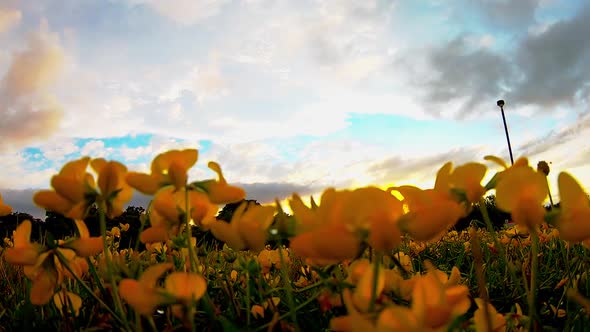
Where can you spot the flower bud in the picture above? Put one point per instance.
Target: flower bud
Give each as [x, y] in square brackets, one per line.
[543, 167]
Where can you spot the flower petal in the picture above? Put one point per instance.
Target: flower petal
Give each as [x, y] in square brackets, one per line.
[4, 209]
[186, 287]
[86, 247]
[143, 183]
[69, 299]
[151, 275]
[44, 286]
[141, 300]
[50, 200]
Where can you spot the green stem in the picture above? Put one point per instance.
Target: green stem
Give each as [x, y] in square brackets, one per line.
[497, 244]
[299, 307]
[191, 255]
[549, 192]
[150, 320]
[248, 298]
[109, 262]
[376, 266]
[287, 282]
[97, 279]
[533, 288]
[191, 250]
[480, 275]
[65, 263]
[141, 227]
[312, 286]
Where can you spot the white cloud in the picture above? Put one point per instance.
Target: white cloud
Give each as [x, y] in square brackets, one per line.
[28, 110]
[16, 167]
[185, 12]
[57, 148]
[95, 148]
[9, 18]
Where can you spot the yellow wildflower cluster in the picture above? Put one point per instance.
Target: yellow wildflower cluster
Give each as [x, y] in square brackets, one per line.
[335, 231]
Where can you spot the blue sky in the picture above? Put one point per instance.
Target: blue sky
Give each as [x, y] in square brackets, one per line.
[291, 95]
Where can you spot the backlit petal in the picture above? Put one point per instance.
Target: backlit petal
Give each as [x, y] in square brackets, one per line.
[186, 286]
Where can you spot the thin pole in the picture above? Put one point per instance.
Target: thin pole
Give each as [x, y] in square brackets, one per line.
[500, 103]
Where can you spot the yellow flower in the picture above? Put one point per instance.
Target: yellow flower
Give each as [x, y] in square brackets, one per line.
[65, 299]
[74, 190]
[186, 287]
[24, 252]
[498, 323]
[114, 190]
[248, 227]
[116, 231]
[327, 244]
[354, 321]
[84, 245]
[376, 211]
[521, 191]
[362, 294]
[4, 209]
[167, 213]
[436, 303]
[520, 162]
[307, 218]
[558, 312]
[405, 261]
[168, 168]
[219, 191]
[257, 311]
[430, 214]
[397, 318]
[268, 258]
[574, 218]
[367, 210]
[468, 178]
[144, 295]
[41, 264]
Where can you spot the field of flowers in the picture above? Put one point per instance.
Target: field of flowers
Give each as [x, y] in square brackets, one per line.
[363, 259]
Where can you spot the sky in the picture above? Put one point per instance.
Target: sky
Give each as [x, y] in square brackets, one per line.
[292, 96]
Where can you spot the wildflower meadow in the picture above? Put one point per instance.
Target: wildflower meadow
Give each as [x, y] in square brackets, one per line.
[362, 259]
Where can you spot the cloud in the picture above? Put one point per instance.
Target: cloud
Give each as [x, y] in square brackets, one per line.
[420, 169]
[28, 110]
[465, 74]
[579, 129]
[9, 18]
[267, 192]
[543, 70]
[501, 13]
[95, 148]
[21, 200]
[553, 64]
[185, 12]
[19, 171]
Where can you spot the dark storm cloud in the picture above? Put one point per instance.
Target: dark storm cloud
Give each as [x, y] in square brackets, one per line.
[554, 64]
[477, 75]
[543, 70]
